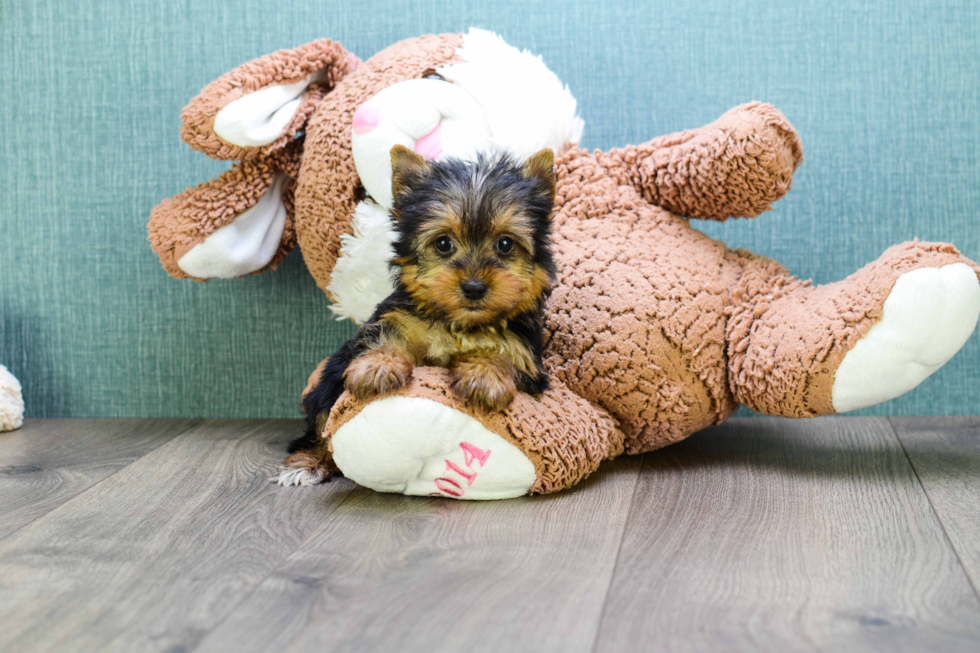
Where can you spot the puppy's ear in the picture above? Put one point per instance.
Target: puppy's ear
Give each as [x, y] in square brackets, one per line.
[541, 166]
[407, 167]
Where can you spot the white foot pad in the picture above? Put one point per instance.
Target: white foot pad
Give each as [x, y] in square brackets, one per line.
[416, 446]
[928, 315]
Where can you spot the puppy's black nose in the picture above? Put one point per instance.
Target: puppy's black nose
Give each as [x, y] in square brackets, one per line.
[474, 289]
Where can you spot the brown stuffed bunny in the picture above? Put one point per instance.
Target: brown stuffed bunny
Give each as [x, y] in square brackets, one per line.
[653, 330]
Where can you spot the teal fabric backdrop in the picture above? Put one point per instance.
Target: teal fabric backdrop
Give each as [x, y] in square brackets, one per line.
[886, 97]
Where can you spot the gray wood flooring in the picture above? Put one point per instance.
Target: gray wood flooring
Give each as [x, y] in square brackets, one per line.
[763, 534]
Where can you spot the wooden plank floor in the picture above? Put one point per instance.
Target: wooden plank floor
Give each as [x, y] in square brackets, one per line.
[759, 535]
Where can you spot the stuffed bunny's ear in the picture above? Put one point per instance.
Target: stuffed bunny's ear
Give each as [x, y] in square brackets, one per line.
[234, 225]
[245, 245]
[260, 107]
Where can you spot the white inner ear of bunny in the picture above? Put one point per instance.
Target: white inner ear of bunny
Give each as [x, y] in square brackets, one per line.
[361, 279]
[246, 244]
[260, 117]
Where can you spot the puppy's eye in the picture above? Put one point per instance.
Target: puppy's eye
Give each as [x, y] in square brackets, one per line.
[444, 245]
[505, 245]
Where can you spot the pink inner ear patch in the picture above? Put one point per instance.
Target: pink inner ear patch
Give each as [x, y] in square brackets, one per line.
[366, 119]
[430, 145]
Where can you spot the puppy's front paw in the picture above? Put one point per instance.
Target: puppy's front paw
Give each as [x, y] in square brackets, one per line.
[379, 371]
[487, 383]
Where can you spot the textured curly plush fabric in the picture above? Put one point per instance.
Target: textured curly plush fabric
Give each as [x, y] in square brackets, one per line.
[735, 167]
[637, 320]
[564, 436]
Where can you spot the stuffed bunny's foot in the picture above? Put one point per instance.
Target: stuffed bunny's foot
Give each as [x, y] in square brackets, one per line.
[928, 316]
[416, 446]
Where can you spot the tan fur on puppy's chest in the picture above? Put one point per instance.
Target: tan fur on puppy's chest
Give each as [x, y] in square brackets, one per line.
[435, 344]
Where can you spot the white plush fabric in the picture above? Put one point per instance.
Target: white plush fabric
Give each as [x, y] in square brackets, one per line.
[361, 280]
[259, 118]
[408, 111]
[246, 244]
[11, 401]
[419, 447]
[928, 316]
[526, 105]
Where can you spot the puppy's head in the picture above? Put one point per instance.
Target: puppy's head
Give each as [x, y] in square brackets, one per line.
[473, 244]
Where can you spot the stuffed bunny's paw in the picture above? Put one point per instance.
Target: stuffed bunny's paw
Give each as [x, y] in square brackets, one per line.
[928, 316]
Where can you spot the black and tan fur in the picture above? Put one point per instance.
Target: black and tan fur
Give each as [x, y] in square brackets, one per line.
[473, 268]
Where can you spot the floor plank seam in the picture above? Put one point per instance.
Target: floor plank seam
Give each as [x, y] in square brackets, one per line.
[262, 580]
[193, 424]
[932, 508]
[619, 551]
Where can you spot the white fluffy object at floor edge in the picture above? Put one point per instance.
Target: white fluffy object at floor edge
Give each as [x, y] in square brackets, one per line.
[11, 401]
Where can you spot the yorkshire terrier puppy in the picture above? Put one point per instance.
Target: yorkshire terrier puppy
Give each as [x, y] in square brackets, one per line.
[473, 268]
